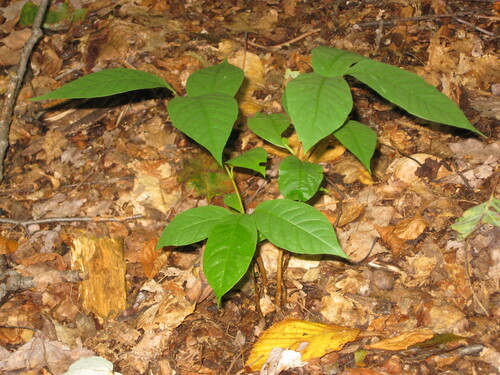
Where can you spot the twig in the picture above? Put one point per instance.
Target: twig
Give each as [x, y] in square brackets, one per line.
[15, 84]
[409, 19]
[97, 219]
[302, 36]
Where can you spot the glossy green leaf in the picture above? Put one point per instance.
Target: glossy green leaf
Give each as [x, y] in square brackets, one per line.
[487, 212]
[251, 159]
[297, 227]
[333, 62]
[229, 252]
[299, 180]
[232, 201]
[410, 92]
[107, 82]
[269, 127]
[191, 226]
[360, 139]
[208, 119]
[223, 78]
[317, 106]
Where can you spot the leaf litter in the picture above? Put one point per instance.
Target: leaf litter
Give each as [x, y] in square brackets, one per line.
[122, 158]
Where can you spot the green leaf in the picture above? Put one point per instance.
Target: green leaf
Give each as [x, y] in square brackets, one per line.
[297, 227]
[358, 138]
[333, 62]
[410, 92]
[107, 82]
[251, 159]
[232, 201]
[317, 106]
[299, 180]
[208, 119]
[28, 14]
[229, 251]
[487, 212]
[269, 127]
[191, 226]
[223, 78]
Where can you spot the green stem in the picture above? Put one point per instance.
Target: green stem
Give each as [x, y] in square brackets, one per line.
[230, 173]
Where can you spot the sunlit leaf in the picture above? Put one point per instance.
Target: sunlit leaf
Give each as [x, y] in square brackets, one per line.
[312, 340]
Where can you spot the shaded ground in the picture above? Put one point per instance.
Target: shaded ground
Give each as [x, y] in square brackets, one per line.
[120, 158]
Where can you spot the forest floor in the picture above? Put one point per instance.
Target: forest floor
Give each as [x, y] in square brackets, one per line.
[108, 174]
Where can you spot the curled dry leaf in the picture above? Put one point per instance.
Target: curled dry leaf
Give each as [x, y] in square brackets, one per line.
[403, 341]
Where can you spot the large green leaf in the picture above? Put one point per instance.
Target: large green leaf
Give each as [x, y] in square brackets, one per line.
[107, 82]
[410, 92]
[252, 159]
[318, 106]
[229, 251]
[299, 180]
[191, 226]
[269, 127]
[487, 212]
[358, 138]
[333, 62]
[297, 227]
[208, 119]
[223, 78]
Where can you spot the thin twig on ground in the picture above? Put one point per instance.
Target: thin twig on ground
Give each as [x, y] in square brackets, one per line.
[15, 83]
[394, 21]
[97, 219]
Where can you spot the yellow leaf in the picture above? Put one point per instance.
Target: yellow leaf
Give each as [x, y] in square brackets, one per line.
[312, 340]
[403, 341]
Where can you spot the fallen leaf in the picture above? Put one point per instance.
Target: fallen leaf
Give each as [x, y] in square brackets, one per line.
[7, 246]
[403, 341]
[312, 340]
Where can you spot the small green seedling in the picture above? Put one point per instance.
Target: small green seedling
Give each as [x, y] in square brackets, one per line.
[318, 105]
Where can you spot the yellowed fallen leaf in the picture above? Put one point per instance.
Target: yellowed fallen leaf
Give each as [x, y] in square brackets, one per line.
[7, 246]
[312, 340]
[403, 341]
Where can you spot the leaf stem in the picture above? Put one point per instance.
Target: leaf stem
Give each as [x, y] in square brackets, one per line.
[230, 173]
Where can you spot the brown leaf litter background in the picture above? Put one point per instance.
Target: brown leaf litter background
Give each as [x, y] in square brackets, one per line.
[98, 287]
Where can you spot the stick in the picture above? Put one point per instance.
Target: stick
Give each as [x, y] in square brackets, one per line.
[409, 19]
[15, 84]
[98, 219]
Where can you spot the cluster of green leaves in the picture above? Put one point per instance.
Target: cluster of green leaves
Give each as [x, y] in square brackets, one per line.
[318, 105]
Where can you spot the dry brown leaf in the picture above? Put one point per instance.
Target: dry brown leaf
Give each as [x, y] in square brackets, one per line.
[403, 341]
[395, 244]
[44, 257]
[151, 259]
[7, 246]
[410, 229]
[311, 340]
